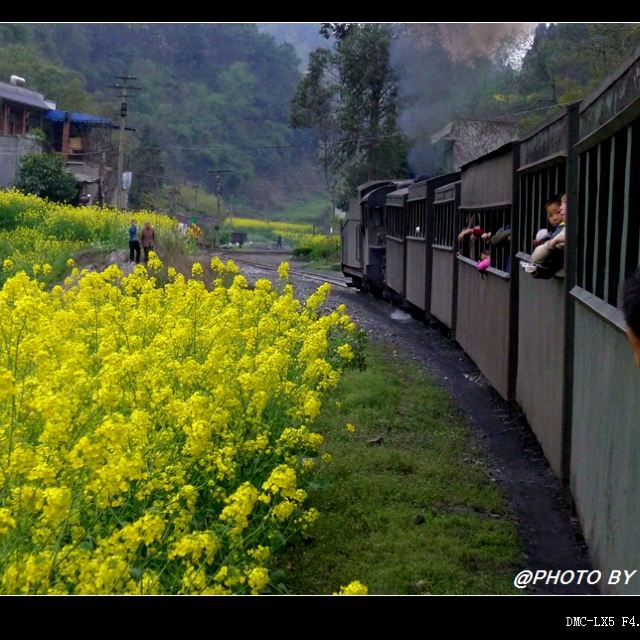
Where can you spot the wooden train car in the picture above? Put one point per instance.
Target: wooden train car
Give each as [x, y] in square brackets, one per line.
[486, 312]
[542, 336]
[604, 244]
[556, 347]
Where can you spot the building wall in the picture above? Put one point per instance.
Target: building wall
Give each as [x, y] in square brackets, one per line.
[12, 148]
[475, 138]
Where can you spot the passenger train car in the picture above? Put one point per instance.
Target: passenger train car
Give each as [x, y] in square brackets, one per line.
[556, 347]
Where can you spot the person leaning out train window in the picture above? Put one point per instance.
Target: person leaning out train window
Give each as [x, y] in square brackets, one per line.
[558, 236]
[485, 261]
[548, 257]
[475, 231]
[500, 240]
[553, 208]
[631, 309]
[472, 230]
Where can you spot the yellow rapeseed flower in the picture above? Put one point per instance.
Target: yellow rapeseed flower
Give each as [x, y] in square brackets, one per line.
[355, 588]
[283, 271]
[136, 419]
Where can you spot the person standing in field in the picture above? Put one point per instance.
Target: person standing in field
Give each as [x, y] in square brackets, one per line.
[148, 239]
[134, 242]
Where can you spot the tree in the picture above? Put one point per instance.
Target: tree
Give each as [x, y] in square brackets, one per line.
[314, 107]
[566, 61]
[148, 171]
[349, 97]
[44, 175]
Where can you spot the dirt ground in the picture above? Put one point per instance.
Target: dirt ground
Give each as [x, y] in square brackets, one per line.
[551, 535]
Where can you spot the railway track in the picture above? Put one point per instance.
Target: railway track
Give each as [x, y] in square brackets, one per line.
[301, 273]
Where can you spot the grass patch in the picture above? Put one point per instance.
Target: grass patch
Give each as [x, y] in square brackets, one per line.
[322, 265]
[416, 514]
[314, 211]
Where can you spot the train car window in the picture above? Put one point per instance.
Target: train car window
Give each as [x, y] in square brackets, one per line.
[443, 221]
[608, 224]
[492, 231]
[392, 222]
[631, 204]
[535, 190]
[415, 219]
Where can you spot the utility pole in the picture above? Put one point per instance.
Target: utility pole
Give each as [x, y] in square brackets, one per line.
[103, 158]
[218, 173]
[124, 90]
[196, 188]
[218, 193]
[173, 195]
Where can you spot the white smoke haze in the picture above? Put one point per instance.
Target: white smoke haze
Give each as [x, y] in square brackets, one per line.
[464, 41]
[439, 75]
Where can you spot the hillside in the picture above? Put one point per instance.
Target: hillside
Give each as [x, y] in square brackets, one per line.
[213, 96]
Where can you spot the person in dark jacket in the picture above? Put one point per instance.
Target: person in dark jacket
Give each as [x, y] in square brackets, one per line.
[134, 242]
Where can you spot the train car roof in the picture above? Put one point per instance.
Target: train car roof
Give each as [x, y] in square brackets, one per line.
[399, 192]
[487, 156]
[376, 193]
[367, 187]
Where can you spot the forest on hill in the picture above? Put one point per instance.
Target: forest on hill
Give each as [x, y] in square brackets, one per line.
[213, 96]
[298, 117]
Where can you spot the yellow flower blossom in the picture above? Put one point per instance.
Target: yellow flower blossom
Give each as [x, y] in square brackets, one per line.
[354, 588]
[345, 351]
[154, 438]
[7, 521]
[258, 579]
[283, 271]
[154, 262]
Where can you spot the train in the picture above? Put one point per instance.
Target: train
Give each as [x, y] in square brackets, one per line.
[555, 347]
